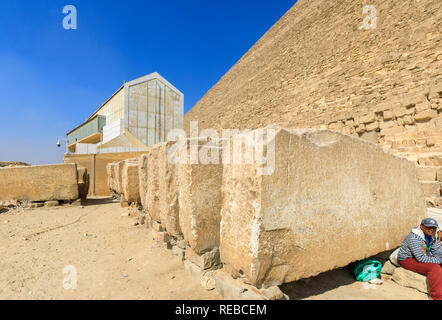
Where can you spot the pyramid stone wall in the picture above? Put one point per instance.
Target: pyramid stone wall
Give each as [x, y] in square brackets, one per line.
[318, 67]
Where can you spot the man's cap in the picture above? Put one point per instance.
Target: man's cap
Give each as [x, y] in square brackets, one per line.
[430, 222]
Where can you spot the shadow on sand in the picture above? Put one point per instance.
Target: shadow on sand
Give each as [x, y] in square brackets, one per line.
[323, 282]
[326, 281]
[94, 201]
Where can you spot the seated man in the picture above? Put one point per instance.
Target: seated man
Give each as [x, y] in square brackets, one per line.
[421, 252]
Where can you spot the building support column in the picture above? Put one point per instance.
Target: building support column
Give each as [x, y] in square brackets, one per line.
[93, 175]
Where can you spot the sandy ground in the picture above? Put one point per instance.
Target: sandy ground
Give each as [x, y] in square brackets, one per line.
[114, 259]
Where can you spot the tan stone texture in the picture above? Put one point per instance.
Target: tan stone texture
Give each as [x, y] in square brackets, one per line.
[119, 177]
[327, 191]
[431, 188]
[153, 187]
[168, 191]
[39, 183]
[110, 176]
[199, 189]
[426, 173]
[411, 279]
[439, 174]
[143, 182]
[130, 180]
[204, 261]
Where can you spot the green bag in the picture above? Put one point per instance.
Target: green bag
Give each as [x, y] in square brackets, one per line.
[367, 270]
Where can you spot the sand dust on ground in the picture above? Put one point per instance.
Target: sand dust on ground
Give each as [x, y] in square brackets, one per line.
[115, 259]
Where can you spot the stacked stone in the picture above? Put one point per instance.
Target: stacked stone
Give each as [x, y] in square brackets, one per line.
[161, 198]
[200, 199]
[265, 230]
[409, 125]
[183, 202]
[430, 177]
[168, 191]
[130, 181]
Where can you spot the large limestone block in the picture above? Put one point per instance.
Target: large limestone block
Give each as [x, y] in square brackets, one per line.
[168, 191]
[39, 183]
[118, 170]
[83, 182]
[143, 182]
[410, 279]
[332, 199]
[200, 198]
[153, 189]
[109, 172]
[130, 180]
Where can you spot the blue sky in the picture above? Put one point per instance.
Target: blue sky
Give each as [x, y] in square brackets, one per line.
[52, 79]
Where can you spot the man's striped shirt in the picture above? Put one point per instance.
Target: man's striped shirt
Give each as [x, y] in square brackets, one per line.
[413, 247]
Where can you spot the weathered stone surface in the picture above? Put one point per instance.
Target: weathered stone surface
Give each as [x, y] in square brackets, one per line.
[130, 180]
[160, 236]
[372, 136]
[181, 244]
[83, 182]
[143, 182]
[39, 183]
[388, 268]
[178, 252]
[431, 188]
[205, 260]
[110, 176]
[193, 269]
[425, 115]
[208, 280]
[168, 191]
[153, 188]
[274, 293]
[157, 226]
[439, 174]
[235, 289]
[426, 173]
[118, 174]
[294, 223]
[411, 279]
[199, 189]
[52, 203]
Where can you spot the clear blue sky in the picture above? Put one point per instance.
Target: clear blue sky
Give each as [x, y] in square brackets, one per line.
[52, 79]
